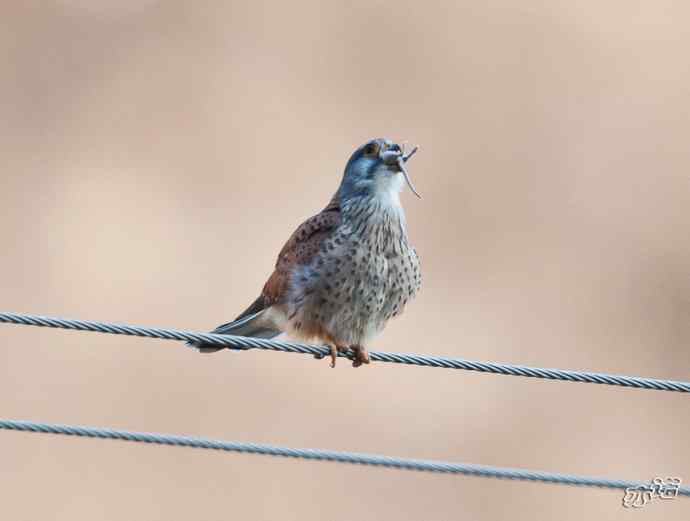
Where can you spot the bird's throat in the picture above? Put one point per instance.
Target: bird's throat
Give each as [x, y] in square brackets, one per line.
[377, 219]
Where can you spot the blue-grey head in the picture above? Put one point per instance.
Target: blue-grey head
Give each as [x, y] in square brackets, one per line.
[376, 169]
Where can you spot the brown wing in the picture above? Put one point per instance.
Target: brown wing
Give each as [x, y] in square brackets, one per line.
[299, 249]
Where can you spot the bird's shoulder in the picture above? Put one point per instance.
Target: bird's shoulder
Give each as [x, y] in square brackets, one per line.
[301, 248]
[307, 238]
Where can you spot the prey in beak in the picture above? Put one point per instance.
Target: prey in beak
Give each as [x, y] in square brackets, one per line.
[397, 156]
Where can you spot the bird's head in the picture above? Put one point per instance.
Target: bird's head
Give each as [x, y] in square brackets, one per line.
[376, 169]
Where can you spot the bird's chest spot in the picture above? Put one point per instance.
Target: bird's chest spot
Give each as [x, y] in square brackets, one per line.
[376, 283]
[359, 280]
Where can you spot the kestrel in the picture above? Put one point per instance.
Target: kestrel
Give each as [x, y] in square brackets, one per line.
[345, 271]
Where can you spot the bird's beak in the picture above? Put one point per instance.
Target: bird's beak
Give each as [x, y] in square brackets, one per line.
[399, 159]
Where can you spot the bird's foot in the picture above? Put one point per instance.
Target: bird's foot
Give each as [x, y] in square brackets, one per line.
[361, 356]
[335, 349]
[334, 354]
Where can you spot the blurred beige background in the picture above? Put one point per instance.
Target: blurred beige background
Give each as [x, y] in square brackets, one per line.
[155, 155]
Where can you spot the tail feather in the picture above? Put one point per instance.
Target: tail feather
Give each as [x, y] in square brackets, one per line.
[250, 323]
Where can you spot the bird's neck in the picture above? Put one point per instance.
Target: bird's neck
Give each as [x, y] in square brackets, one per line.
[381, 219]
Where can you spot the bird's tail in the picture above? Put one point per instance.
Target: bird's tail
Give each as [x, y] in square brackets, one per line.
[252, 322]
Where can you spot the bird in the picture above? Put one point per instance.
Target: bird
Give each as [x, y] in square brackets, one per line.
[346, 271]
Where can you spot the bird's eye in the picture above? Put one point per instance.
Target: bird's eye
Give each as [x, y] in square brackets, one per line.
[371, 149]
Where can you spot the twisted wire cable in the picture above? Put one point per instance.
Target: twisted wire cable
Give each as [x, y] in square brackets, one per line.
[326, 455]
[242, 343]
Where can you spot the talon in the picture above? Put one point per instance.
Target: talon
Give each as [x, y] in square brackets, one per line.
[334, 355]
[361, 356]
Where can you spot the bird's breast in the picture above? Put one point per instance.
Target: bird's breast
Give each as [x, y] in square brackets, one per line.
[364, 273]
